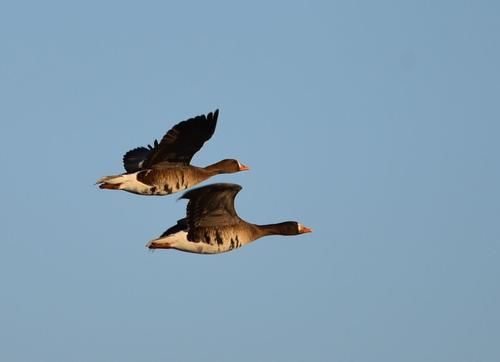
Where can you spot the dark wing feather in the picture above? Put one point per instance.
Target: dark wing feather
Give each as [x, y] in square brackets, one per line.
[180, 226]
[134, 159]
[211, 206]
[184, 139]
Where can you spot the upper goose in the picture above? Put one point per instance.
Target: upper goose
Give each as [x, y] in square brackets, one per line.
[212, 226]
[164, 168]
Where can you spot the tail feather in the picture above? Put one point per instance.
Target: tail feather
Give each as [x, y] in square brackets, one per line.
[127, 182]
[108, 179]
[172, 241]
[110, 182]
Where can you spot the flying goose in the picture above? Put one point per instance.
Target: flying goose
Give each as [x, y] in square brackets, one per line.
[164, 168]
[211, 225]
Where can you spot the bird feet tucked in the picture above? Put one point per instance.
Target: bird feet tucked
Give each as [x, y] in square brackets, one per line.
[155, 244]
[108, 186]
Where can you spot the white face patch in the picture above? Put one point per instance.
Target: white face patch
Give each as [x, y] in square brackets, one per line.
[303, 229]
[242, 167]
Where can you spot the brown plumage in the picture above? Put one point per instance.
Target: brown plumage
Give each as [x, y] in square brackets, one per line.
[212, 225]
[165, 168]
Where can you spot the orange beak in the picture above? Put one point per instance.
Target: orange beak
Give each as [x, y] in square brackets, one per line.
[243, 167]
[305, 229]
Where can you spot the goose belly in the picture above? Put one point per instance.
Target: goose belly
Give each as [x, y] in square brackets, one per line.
[210, 242]
[167, 181]
[131, 183]
[215, 242]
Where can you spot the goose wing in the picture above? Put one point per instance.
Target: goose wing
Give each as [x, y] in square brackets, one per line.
[177, 146]
[212, 206]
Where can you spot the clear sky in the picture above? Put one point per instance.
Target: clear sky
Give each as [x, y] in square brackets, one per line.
[376, 123]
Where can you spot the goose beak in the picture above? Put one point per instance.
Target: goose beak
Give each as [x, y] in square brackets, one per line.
[304, 229]
[243, 167]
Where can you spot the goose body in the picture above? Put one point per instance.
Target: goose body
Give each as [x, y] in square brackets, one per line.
[165, 168]
[211, 225]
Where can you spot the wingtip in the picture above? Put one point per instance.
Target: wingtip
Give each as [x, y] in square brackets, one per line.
[213, 116]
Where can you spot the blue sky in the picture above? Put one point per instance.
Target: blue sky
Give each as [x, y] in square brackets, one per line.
[374, 123]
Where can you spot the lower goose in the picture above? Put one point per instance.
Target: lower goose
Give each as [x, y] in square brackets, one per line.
[211, 225]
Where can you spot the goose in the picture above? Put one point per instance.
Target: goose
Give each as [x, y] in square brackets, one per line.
[212, 226]
[165, 168]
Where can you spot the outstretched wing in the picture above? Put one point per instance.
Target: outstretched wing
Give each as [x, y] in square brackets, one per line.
[211, 206]
[178, 146]
[133, 160]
